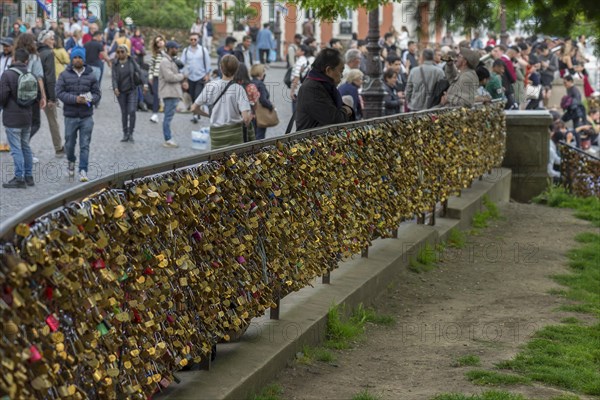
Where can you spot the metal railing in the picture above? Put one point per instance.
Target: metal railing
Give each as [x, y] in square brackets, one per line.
[580, 171]
[118, 180]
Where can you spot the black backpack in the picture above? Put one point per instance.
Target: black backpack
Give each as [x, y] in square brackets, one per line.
[27, 88]
[287, 79]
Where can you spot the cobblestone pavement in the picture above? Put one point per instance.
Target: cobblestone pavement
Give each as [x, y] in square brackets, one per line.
[108, 155]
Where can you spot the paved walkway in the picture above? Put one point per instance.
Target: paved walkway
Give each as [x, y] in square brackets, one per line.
[108, 155]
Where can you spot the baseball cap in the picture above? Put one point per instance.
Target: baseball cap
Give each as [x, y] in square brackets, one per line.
[171, 44]
[7, 41]
[471, 56]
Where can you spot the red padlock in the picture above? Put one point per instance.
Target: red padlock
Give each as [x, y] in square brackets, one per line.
[52, 322]
[35, 354]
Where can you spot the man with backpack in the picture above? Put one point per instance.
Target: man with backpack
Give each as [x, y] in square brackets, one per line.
[18, 93]
[196, 61]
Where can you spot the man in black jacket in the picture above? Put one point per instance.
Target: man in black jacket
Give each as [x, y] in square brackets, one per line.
[46, 39]
[78, 89]
[17, 120]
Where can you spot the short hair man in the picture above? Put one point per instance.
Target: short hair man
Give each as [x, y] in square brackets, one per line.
[78, 89]
[421, 82]
[170, 82]
[197, 69]
[353, 59]
[46, 52]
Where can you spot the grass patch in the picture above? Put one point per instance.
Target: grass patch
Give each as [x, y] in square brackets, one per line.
[311, 354]
[491, 212]
[586, 208]
[483, 378]
[488, 395]
[425, 261]
[456, 239]
[567, 356]
[341, 331]
[467, 361]
[570, 320]
[365, 395]
[270, 392]
[362, 315]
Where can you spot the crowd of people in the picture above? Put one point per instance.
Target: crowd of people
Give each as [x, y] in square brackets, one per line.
[521, 73]
[67, 64]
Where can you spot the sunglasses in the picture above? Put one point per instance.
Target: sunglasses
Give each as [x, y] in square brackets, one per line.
[121, 51]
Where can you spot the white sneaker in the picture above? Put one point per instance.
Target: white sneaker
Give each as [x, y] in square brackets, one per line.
[36, 160]
[71, 169]
[83, 176]
[170, 143]
[154, 118]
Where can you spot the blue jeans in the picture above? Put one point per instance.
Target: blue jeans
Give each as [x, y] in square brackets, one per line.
[169, 111]
[18, 139]
[84, 126]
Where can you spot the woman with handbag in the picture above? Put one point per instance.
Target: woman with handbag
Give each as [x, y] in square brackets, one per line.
[229, 106]
[126, 77]
[264, 105]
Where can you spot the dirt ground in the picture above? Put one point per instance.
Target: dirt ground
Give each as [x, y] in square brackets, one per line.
[485, 300]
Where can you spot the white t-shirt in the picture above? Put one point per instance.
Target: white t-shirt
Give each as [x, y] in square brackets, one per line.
[229, 108]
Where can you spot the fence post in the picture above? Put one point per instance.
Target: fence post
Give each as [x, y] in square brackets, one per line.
[444, 208]
[326, 279]
[274, 312]
[365, 252]
[432, 218]
[395, 233]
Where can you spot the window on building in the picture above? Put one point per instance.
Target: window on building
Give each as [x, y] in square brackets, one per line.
[346, 23]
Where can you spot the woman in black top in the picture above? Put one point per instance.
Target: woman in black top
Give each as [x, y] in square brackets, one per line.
[391, 99]
[126, 77]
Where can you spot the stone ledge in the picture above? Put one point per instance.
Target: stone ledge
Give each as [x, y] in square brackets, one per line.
[243, 368]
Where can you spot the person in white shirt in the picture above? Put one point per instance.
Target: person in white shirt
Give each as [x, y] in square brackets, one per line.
[304, 59]
[196, 61]
[230, 108]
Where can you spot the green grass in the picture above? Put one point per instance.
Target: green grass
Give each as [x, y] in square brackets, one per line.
[495, 395]
[365, 395]
[270, 392]
[467, 361]
[586, 208]
[425, 261]
[311, 354]
[362, 315]
[488, 395]
[491, 212]
[484, 378]
[456, 239]
[342, 331]
[568, 355]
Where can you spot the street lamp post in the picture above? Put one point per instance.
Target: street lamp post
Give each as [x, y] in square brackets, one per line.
[373, 92]
[277, 32]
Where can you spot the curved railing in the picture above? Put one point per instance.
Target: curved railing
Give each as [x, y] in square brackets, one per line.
[580, 171]
[111, 287]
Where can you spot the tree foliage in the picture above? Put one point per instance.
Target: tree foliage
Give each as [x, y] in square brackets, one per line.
[156, 13]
